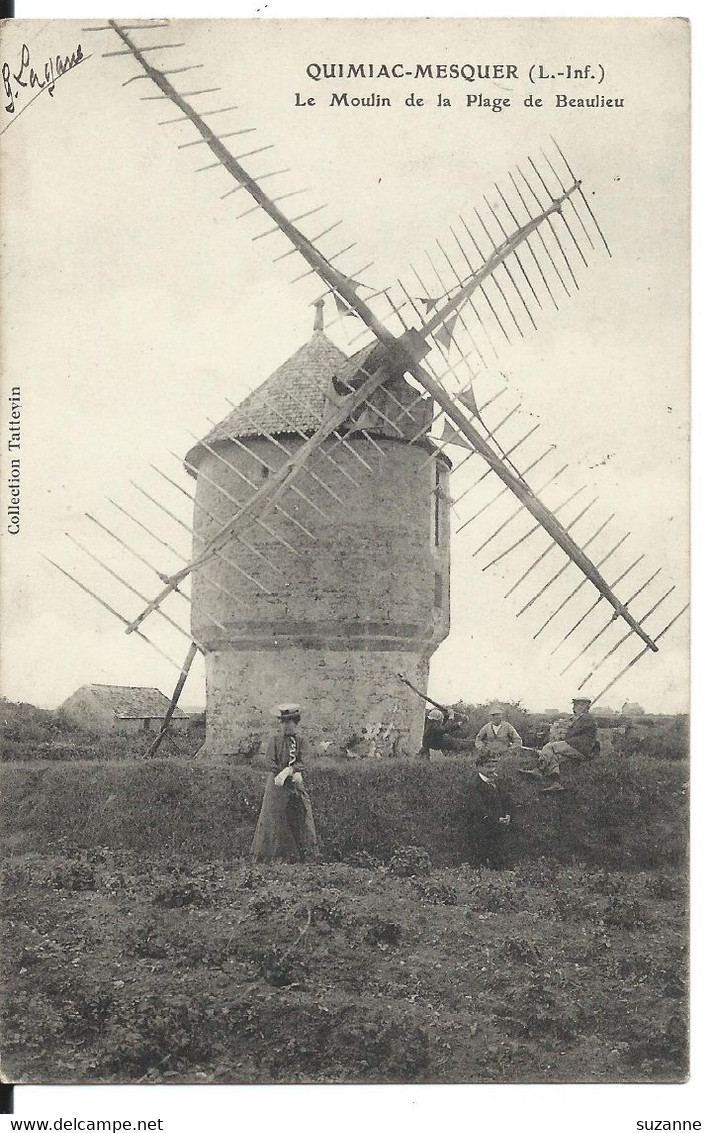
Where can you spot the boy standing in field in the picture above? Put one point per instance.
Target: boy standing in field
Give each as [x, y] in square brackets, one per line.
[491, 742]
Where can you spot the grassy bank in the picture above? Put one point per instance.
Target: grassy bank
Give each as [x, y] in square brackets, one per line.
[621, 813]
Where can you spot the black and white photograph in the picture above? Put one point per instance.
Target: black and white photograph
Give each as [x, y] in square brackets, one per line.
[345, 552]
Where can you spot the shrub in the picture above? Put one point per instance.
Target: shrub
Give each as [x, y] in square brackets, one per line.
[623, 912]
[665, 887]
[178, 895]
[410, 861]
[667, 738]
[436, 892]
[496, 894]
[532, 728]
[362, 860]
[572, 907]
[30, 733]
[383, 933]
[75, 876]
[521, 950]
[602, 881]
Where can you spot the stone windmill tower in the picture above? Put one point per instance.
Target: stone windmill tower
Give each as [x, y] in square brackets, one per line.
[323, 604]
[320, 558]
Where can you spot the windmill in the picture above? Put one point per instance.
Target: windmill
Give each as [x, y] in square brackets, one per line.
[419, 382]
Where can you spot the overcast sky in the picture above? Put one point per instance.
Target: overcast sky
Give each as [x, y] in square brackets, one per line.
[134, 303]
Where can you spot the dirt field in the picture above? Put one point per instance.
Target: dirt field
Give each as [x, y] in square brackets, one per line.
[126, 966]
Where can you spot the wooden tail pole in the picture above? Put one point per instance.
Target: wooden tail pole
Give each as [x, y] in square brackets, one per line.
[427, 699]
[183, 676]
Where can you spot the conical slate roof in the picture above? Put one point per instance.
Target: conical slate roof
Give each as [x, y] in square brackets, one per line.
[291, 399]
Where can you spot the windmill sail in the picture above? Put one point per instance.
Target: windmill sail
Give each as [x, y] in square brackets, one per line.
[493, 273]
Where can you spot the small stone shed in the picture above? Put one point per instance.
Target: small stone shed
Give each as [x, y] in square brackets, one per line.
[118, 708]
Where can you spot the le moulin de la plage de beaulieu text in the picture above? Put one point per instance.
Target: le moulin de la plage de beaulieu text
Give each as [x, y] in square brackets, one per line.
[463, 72]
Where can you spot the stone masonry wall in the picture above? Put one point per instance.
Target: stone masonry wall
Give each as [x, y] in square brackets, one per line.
[342, 694]
[360, 593]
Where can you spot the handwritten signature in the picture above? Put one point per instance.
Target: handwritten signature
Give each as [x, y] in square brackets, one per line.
[30, 78]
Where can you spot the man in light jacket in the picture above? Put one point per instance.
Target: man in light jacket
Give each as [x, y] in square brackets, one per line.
[494, 739]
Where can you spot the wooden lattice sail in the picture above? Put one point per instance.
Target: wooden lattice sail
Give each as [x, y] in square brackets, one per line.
[411, 409]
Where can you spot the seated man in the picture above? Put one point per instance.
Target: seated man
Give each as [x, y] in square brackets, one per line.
[579, 744]
[495, 738]
[438, 735]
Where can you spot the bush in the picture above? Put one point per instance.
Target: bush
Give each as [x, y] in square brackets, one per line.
[75, 876]
[410, 861]
[179, 895]
[655, 739]
[383, 933]
[623, 912]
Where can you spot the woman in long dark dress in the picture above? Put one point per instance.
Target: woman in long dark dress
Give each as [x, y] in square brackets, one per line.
[285, 829]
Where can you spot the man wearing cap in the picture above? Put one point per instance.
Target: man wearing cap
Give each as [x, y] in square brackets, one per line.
[285, 829]
[579, 744]
[437, 734]
[495, 738]
[491, 742]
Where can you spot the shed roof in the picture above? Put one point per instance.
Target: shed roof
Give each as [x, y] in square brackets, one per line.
[132, 703]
